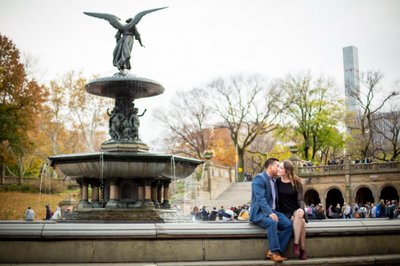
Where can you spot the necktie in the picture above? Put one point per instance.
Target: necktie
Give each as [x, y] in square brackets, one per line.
[273, 192]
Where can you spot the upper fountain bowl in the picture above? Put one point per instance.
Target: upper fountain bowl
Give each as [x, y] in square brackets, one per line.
[124, 85]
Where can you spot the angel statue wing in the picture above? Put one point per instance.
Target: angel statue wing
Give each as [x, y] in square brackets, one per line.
[139, 15]
[114, 20]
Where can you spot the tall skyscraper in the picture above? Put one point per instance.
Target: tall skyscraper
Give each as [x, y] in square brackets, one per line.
[351, 78]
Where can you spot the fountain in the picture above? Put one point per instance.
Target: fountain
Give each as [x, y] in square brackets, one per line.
[128, 183]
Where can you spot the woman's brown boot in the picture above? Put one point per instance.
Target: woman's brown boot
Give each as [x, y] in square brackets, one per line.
[303, 254]
[296, 250]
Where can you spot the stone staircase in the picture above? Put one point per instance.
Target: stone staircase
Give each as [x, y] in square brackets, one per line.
[235, 195]
[238, 193]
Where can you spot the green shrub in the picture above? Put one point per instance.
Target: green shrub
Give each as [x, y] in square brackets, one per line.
[14, 187]
[34, 187]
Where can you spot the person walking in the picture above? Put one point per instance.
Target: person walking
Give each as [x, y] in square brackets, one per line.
[291, 204]
[49, 213]
[263, 210]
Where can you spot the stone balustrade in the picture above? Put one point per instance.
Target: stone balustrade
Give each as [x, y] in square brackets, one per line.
[341, 169]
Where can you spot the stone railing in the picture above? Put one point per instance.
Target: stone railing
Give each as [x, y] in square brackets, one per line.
[371, 167]
[326, 169]
[341, 169]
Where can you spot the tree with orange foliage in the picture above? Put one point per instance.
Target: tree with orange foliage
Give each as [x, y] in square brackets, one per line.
[224, 150]
[21, 100]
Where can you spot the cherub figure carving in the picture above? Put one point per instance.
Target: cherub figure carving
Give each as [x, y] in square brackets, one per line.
[135, 122]
[115, 123]
[125, 36]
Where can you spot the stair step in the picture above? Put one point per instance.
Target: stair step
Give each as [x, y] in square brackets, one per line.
[237, 191]
[386, 260]
[393, 259]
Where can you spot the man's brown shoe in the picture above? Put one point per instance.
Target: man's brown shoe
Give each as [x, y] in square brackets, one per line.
[275, 256]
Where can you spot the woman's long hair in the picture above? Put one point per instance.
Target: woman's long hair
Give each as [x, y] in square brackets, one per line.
[289, 169]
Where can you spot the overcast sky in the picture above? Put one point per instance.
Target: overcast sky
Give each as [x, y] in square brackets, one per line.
[192, 42]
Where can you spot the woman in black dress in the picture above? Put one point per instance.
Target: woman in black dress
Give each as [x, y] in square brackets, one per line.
[291, 203]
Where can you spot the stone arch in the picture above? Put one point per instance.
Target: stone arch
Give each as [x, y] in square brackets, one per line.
[363, 194]
[311, 196]
[333, 196]
[389, 192]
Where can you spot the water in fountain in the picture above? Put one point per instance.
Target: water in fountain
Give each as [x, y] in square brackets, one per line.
[44, 169]
[190, 193]
[201, 181]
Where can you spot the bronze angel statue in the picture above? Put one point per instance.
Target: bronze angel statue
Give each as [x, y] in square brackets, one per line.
[125, 36]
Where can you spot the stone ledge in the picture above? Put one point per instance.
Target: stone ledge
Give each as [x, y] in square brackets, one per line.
[189, 244]
[36, 230]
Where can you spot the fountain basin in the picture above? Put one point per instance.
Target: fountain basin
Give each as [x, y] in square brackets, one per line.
[124, 165]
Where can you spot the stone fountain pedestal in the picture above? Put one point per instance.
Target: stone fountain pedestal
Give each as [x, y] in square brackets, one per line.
[127, 182]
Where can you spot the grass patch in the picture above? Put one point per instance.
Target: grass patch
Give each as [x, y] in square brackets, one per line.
[13, 204]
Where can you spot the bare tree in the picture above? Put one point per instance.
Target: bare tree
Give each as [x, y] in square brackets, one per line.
[363, 130]
[188, 122]
[248, 108]
[387, 135]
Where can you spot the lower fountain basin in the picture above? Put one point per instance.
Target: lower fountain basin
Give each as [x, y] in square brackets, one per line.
[124, 165]
[124, 215]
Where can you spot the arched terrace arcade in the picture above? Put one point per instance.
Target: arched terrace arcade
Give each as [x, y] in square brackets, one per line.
[350, 183]
[389, 192]
[333, 197]
[363, 195]
[311, 196]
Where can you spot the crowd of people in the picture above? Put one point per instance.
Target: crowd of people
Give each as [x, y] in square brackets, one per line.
[382, 209]
[314, 212]
[240, 213]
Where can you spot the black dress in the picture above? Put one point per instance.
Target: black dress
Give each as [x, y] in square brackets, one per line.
[287, 199]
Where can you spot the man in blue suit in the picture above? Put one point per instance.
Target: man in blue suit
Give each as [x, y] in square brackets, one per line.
[262, 212]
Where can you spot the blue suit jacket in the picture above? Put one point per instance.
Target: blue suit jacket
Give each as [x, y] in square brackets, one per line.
[261, 197]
